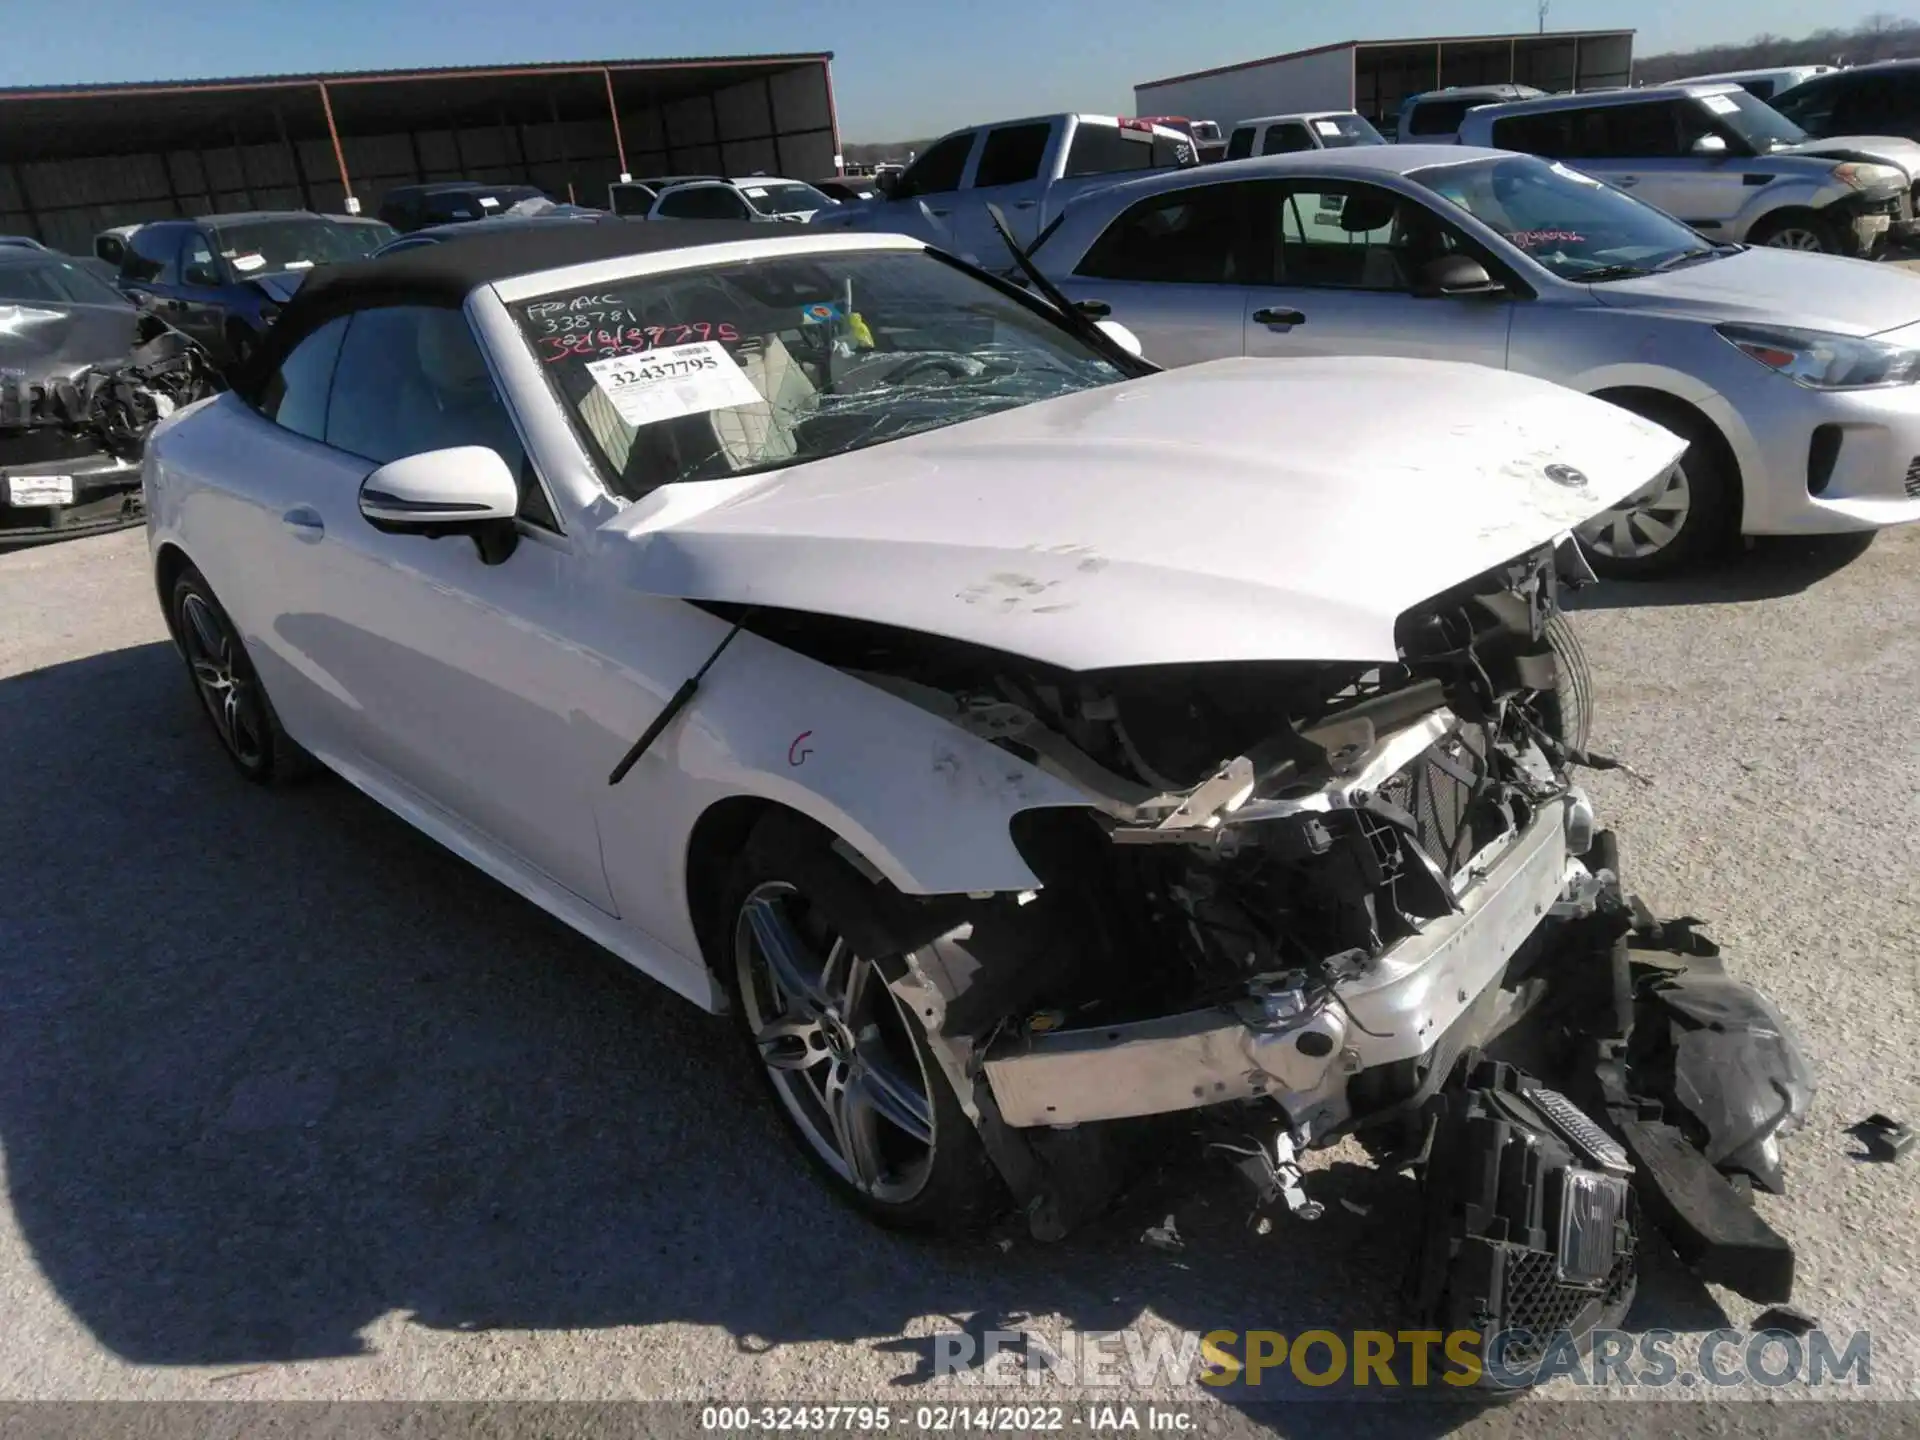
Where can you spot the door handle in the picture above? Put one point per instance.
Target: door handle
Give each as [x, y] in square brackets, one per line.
[1276, 315]
[304, 521]
[1627, 182]
[1025, 204]
[941, 213]
[1093, 309]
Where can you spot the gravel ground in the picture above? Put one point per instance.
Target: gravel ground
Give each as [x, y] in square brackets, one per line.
[296, 1105]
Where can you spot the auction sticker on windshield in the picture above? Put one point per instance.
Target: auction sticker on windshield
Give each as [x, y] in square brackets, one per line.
[666, 384]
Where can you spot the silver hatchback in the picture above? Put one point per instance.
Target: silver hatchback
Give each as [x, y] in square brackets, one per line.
[1792, 376]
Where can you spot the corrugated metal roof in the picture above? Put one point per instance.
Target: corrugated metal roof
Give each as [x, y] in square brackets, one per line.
[375, 77]
[1536, 35]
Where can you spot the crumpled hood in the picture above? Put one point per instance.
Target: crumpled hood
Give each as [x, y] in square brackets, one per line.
[1778, 287]
[1885, 149]
[1237, 510]
[278, 285]
[47, 340]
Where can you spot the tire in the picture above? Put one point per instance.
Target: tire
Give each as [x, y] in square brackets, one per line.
[847, 1064]
[1681, 519]
[1572, 721]
[229, 688]
[1801, 230]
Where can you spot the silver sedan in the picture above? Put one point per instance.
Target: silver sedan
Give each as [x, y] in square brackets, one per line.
[1791, 376]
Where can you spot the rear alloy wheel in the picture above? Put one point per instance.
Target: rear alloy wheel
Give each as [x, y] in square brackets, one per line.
[848, 1061]
[229, 690]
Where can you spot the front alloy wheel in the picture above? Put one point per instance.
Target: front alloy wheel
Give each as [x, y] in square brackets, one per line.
[1797, 237]
[225, 683]
[837, 1047]
[1644, 524]
[228, 687]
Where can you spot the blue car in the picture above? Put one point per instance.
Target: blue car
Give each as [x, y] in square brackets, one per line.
[223, 278]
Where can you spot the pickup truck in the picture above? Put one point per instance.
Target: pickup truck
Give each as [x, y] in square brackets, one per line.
[1029, 168]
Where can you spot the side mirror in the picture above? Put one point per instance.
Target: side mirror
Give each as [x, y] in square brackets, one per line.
[465, 490]
[1710, 145]
[1123, 337]
[1450, 275]
[887, 182]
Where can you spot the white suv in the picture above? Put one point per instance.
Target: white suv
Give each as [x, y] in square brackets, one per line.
[1306, 130]
[1714, 157]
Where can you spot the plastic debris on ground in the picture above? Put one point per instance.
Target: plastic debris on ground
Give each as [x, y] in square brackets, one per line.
[1886, 1139]
[1164, 1236]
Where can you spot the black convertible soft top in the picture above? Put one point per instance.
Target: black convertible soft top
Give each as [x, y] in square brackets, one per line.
[445, 274]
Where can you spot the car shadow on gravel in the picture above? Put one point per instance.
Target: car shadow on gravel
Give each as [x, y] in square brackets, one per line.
[1776, 566]
[275, 1066]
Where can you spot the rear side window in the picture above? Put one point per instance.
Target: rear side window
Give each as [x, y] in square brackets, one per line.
[939, 170]
[1547, 133]
[1241, 145]
[1661, 130]
[151, 253]
[631, 199]
[1439, 117]
[1111, 149]
[1873, 104]
[705, 202]
[1810, 106]
[1187, 237]
[1283, 139]
[296, 396]
[1630, 132]
[1012, 155]
[444, 209]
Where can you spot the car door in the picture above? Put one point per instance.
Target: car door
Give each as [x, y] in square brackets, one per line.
[1173, 269]
[1006, 174]
[933, 180]
[200, 297]
[1647, 150]
[448, 679]
[150, 272]
[1341, 265]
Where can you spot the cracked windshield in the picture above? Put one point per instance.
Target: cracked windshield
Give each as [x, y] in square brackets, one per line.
[703, 374]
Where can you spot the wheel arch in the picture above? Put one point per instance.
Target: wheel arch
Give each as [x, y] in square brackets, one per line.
[1782, 215]
[1690, 422]
[169, 563]
[879, 917]
[716, 838]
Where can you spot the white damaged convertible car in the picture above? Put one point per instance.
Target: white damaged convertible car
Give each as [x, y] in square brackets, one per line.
[1044, 759]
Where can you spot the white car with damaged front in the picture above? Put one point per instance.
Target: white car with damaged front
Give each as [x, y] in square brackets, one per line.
[1010, 736]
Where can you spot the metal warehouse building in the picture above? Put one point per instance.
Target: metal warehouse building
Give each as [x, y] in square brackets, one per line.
[1374, 76]
[77, 159]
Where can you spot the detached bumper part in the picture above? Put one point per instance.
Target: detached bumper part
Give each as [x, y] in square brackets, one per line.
[1530, 1217]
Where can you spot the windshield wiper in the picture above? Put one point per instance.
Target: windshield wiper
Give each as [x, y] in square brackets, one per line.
[1687, 257]
[1614, 272]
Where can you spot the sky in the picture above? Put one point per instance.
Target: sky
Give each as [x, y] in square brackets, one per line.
[902, 69]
